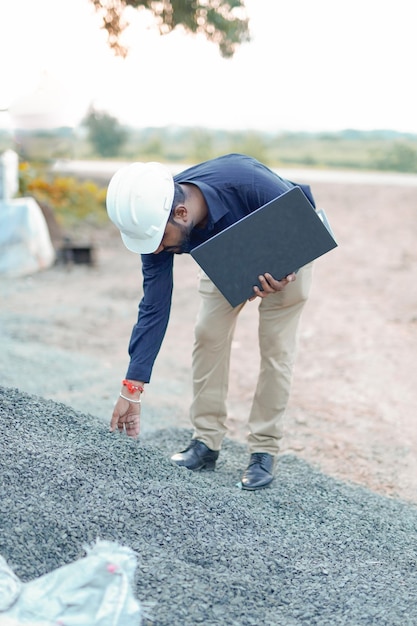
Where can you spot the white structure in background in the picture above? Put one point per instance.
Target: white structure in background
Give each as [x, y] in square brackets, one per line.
[25, 243]
[9, 174]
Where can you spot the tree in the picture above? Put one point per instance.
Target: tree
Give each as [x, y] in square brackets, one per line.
[104, 133]
[223, 22]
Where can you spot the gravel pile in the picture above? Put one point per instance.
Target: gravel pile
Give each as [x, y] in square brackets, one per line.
[308, 550]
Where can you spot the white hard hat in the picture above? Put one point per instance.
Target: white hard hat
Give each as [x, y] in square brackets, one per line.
[139, 200]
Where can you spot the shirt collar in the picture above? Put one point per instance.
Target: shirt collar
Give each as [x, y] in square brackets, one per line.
[216, 207]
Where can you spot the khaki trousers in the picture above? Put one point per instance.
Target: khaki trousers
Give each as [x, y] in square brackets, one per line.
[279, 315]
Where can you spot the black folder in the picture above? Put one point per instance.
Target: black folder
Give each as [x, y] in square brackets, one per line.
[280, 237]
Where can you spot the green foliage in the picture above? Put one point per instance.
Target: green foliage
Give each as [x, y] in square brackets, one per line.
[44, 145]
[201, 147]
[354, 150]
[252, 143]
[105, 133]
[73, 200]
[222, 22]
[69, 199]
[399, 157]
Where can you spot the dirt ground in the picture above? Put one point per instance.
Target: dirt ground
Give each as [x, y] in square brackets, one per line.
[352, 410]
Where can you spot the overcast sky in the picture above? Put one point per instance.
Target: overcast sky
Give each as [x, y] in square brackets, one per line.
[311, 65]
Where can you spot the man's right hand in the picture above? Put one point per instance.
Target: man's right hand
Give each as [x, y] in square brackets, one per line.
[126, 416]
[126, 412]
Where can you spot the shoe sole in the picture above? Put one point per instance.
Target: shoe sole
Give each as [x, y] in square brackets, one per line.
[208, 467]
[245, 488]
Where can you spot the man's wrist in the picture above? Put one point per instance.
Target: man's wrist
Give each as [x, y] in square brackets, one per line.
[133, 387]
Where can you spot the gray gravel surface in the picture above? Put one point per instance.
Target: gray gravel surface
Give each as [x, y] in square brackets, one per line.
[308, 550]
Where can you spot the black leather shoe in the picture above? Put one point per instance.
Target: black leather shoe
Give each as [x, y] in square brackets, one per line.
[196, 457]
[258, 474]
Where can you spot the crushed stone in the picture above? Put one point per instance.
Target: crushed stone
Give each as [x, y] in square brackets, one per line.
[308, 550]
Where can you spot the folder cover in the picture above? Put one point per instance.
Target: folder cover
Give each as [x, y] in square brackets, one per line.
[280, 237]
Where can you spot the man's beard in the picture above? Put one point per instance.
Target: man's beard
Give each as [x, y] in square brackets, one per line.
[184, 244]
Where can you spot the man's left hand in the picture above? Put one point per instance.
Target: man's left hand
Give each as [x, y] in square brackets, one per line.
[270, 285]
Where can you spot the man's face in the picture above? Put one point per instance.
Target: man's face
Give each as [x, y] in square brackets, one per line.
[175, 239]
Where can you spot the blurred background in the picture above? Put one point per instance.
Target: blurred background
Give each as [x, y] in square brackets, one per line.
[320, 84]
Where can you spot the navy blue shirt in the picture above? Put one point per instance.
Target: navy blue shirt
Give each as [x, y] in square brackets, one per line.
[233, 186]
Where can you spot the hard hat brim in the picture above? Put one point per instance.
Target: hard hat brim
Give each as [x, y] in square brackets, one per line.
[141, 246]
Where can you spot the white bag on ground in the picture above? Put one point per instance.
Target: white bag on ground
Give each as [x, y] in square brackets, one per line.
[93, 591]
[25, 243]
[10, 586]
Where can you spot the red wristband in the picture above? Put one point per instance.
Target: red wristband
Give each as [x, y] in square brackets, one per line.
[131, 387]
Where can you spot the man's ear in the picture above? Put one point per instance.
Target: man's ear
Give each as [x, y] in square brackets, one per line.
[181, 212]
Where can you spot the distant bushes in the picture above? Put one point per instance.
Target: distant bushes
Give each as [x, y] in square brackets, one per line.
[349, 149]
[398, 157]
[73, 201]
[69, 199]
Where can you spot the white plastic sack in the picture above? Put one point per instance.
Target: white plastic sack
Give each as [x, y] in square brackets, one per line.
[93, 591]
[25, 243]
[10, 586]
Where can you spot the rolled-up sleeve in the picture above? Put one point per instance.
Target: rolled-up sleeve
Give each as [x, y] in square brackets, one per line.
[154, 310]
